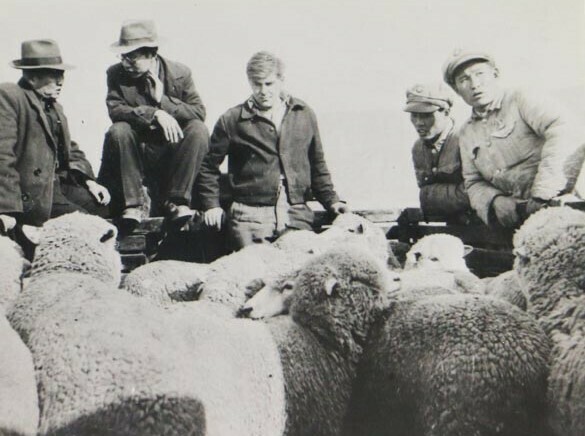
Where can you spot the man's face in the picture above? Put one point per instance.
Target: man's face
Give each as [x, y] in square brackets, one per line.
[136, 62]
[429, 125]
[267, 90]
[477, 84]
[48, 83]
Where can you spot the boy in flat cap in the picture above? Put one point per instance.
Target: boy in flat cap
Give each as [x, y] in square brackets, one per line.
[435, 154]
[158, 134]
[43, 172]
[518, 152]
[275, 161]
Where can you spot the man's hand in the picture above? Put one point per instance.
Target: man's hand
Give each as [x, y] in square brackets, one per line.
[339, 207]
[169, 126]
[7, 223]
[99, 192]
[505, 210]
[214, 217]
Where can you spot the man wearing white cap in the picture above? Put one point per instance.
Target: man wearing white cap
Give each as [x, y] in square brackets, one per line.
[43, 173]
[158, 134]
[435, 154]
[518, 152]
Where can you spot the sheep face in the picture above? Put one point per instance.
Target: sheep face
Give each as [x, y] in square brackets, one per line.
[78, 242]
[440, 252]
[272, 299]
[339, 295]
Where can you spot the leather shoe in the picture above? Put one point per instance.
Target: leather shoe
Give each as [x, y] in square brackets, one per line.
[132, 214]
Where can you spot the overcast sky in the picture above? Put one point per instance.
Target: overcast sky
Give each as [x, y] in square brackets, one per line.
[350, 60]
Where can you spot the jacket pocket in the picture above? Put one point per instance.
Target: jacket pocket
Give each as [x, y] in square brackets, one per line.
[504, 130]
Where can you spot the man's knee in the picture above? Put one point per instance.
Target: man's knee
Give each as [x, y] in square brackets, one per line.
[120, 133]
[196, 131]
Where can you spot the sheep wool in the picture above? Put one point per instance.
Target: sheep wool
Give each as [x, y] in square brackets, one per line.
[550, 263]
[452, 365]
[19, 409]
[506, 287]
[13, 267]
[167, 281]
[337, 298]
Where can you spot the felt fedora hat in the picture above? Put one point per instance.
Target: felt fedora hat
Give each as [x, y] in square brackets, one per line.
[40, 53]
[135, 34]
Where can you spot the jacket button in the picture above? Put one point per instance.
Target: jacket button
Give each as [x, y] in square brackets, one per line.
[37, 172]
[24, 197]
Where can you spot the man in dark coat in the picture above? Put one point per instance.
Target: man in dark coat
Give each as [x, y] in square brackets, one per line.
[43, 174]
[435, 154]
[158, 136]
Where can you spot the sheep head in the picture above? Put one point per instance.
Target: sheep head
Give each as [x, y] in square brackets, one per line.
[438, 252]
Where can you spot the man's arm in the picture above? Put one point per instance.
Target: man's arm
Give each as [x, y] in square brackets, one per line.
[444, 198]
[321, 184]
[562, 138]
[10, 195]
[189, 106]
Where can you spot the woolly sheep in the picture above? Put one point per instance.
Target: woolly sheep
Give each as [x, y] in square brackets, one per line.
[19, 409]
[506, 287]
[550, 260]
[167, 281]
[13, 267]
[339, 296]
[108, 362]
[455, 364]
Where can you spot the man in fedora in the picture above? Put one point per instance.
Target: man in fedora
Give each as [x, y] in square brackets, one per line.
[519, 152]
[435, 154]
[158, 135]
[43, 173]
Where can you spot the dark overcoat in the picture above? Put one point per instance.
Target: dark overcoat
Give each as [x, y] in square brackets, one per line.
[28, 154]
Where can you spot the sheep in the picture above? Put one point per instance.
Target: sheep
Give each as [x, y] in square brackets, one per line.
[439, 259]
[550, 255]
[338, 297]
[506, 287]
[108, 362]
[19, 409]
[451, 364]
[167, 281]
[14, 265]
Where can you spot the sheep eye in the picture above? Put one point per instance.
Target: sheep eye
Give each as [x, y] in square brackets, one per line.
[287, 286]
[107, 236]
[433, 259]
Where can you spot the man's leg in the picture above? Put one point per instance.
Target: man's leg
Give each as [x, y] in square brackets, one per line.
[184, 162]
[80, 196]
[61, 204]
[250, 224]
[122, 169]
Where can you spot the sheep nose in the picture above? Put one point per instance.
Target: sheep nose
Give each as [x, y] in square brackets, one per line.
[243, 312]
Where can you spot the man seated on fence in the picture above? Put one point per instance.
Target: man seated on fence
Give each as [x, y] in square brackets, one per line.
[275, 161]
[435, 154]
[157, 133]
[43, 172]
[519, 152]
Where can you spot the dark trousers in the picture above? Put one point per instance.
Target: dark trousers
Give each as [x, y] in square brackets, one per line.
[132, 159]
[69, 196]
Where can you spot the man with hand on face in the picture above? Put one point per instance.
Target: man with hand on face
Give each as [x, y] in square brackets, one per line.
[519, 153]
[157, 133]
[435, 154]
[43, 172]
[275, 161]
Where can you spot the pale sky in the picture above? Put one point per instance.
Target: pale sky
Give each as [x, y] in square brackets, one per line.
[350, 60]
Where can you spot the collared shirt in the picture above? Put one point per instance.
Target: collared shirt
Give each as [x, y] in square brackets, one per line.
[55, 125]
[495, 105]
[275, 114]
[436, 143]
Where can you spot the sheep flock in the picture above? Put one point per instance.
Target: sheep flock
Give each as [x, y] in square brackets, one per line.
[313, 334]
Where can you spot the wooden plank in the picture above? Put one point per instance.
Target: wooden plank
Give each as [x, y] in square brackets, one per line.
[132, 243]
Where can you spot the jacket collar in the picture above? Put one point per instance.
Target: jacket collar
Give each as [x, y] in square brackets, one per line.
[250, 110]
[36, 103]
[495, 105]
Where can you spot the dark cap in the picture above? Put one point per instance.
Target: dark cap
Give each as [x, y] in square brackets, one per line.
[459, 57]
[426, 98]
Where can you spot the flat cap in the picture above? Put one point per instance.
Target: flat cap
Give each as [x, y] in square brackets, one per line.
[457, 58]
[426, 98]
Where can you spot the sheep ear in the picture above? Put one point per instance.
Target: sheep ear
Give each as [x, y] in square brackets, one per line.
[108, 235]
[467, 249]
[32, 233]
[331, 285]
[360, 229]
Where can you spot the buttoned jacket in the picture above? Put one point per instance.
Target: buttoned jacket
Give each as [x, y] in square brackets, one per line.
[28, 154]
[524, 147]
[258, 155]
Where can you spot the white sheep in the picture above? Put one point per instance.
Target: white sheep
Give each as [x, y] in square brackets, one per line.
[550, 263]
[452, 364]
[19, 409]
[506, 287]
[14, 266]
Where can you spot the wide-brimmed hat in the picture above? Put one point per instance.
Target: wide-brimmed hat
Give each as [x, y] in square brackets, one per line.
[135, 34]
[427, 98]
[40, 53]
[459, 57]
